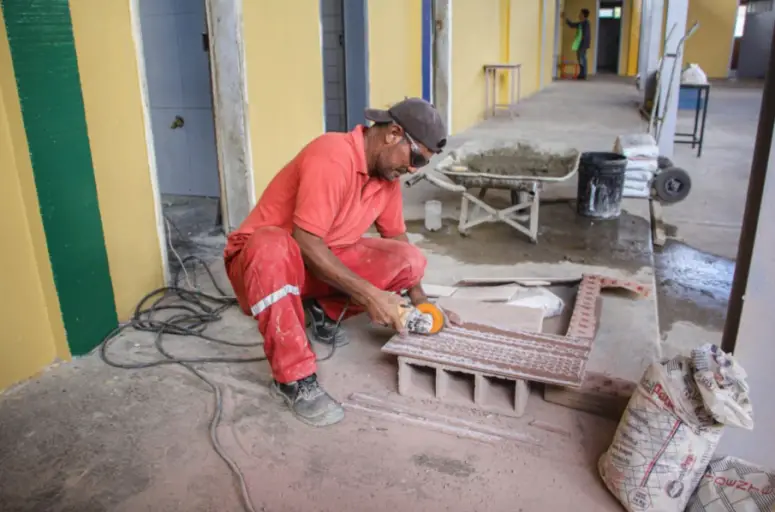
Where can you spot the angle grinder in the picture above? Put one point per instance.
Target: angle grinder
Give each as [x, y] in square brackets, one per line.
[424, 318]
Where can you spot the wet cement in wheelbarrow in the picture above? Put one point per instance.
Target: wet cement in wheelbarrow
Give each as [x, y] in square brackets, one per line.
[520, 160]
[622, 243]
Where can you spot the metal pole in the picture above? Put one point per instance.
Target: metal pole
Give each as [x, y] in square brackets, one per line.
[761, 155]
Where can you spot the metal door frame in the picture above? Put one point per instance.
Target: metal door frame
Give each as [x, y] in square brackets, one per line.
[230, 115]
[355, 20]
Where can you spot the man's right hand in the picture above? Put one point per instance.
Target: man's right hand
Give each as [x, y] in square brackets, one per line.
[384, 309]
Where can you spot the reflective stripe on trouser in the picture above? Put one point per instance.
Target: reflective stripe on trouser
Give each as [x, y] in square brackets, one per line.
[269, 279]
[273, 297]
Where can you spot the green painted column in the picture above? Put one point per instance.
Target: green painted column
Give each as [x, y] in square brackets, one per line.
[40, 36]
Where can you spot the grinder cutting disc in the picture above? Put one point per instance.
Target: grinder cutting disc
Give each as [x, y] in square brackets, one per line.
[438, 317]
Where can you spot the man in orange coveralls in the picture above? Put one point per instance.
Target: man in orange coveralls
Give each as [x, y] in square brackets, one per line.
[304, 241]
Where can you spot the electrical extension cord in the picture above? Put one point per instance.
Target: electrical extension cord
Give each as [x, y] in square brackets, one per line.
[192, 312]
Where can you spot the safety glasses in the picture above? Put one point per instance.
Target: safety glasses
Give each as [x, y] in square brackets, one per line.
[416, 158]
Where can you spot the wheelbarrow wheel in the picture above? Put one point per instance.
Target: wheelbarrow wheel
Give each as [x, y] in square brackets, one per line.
[672, 185]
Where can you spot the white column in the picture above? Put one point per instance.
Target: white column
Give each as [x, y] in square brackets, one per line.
[650, 38]
[669, 88]
[645, 33]
[755, 346]
[442, 60]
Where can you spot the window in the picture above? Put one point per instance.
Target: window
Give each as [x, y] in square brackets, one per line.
[610, 13]
[740, 22]
[757, 6]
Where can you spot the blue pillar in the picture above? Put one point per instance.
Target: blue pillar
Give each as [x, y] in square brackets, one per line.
[427, 37]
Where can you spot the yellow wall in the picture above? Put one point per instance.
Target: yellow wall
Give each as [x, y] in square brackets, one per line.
[711, 45]
[284, 81]
[525, 41]
[505, 48]
[572, 8]
[633, 47]
[33, 335]
[475, 42]
[395, 57]
[108, 65]
[624, 43]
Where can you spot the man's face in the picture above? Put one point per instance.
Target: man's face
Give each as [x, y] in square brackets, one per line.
[399, 154]
[581, 16]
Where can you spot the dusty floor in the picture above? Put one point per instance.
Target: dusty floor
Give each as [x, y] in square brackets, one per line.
[709, 219]
[192, 223]
[86, 437]
[695, 270]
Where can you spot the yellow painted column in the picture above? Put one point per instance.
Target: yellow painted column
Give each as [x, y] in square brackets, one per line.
[33, 332]
[505, 50]
[539, 52]
[634, 46]
[284, 82]
[624, 43]
[110, 80]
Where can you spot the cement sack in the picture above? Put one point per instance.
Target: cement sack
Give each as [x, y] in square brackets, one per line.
[668, 432]
[642, 165]
[636, 187]
[638, 176]
[637, 147]
[694, 75]
[734, 485]
[539, 298]
[636, 194]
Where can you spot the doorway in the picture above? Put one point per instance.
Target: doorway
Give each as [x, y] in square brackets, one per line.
[345, 63]
[609, 32]
[334, 72]
[180, 111]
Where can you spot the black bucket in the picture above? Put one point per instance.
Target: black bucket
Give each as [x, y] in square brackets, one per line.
[601, 182]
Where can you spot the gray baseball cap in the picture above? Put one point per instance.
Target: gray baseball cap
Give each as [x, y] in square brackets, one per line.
[418, 118]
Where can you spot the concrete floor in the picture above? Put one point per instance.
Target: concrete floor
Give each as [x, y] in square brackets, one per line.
[695, 270]
[86, 437]
[709, 219]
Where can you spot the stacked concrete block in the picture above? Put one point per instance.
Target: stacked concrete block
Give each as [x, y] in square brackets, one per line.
[454, 385]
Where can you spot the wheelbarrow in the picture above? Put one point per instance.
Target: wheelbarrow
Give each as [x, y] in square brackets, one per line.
[522, 168]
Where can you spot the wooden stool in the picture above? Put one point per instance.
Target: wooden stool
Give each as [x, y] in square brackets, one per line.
[491, 87]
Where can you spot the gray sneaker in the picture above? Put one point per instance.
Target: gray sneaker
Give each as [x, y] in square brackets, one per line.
[323, 329]
[309, 402]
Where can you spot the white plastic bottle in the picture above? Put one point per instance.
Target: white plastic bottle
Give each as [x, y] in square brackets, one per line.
[433, 215]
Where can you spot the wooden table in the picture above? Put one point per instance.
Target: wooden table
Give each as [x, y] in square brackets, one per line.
[514, 73]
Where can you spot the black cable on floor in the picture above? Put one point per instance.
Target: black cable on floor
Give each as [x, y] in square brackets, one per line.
[192, 312]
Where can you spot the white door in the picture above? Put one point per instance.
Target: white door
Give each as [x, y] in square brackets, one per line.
[179, 93]
[334, 65]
